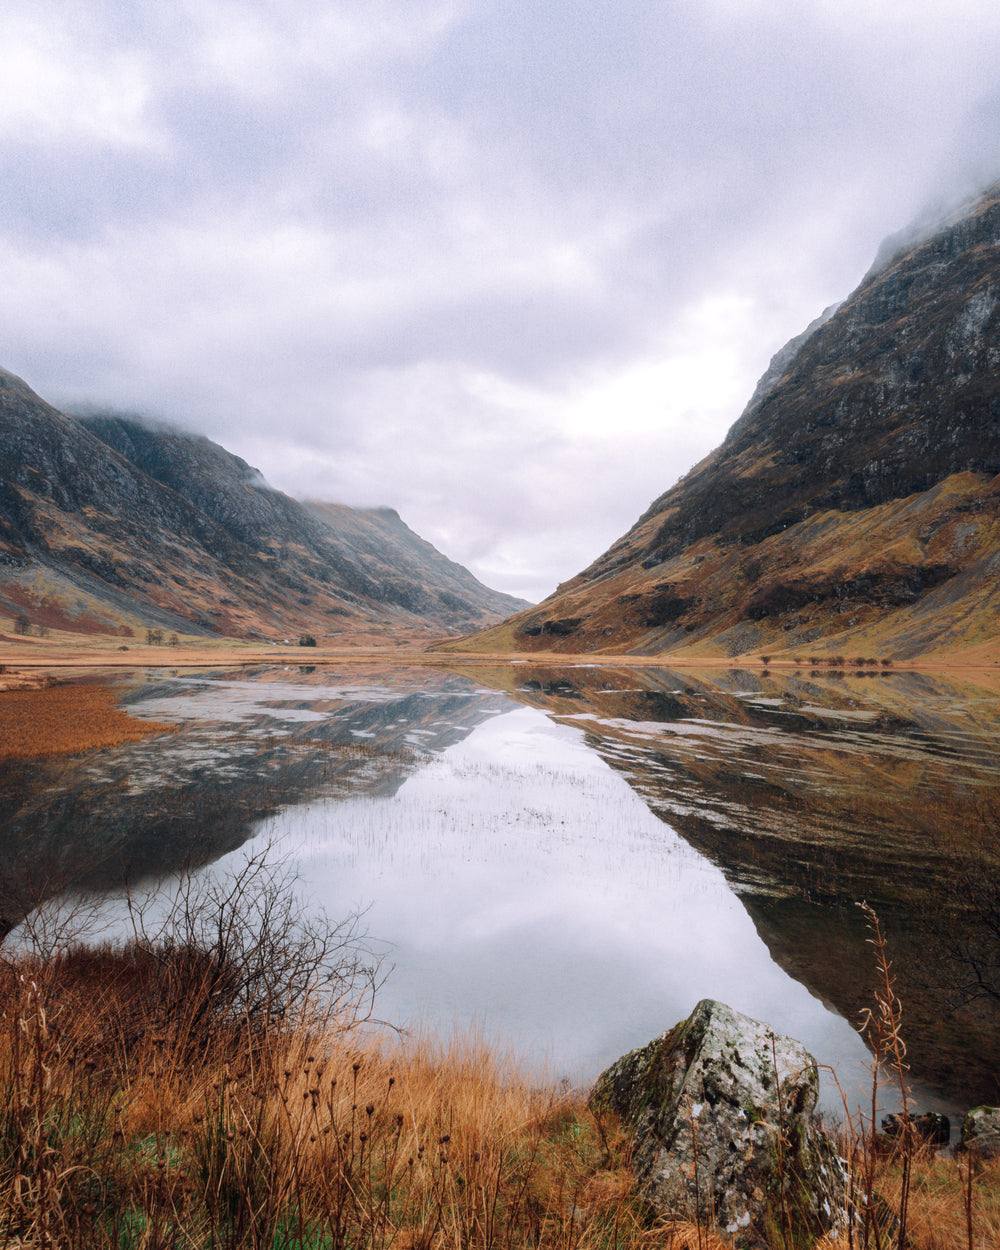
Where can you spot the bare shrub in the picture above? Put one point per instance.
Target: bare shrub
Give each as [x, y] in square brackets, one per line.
[243, 946]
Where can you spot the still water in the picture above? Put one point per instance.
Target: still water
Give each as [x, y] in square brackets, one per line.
[568, 859]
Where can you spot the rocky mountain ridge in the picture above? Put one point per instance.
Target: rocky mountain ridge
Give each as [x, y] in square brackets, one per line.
[109, 525]
[855, 504]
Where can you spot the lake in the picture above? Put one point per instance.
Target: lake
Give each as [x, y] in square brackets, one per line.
[568, 858]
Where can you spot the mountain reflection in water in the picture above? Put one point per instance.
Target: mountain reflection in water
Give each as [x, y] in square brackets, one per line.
[571, 856]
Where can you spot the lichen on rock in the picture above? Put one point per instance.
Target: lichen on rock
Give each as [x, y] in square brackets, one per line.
[981, 1132]
[723, 1115]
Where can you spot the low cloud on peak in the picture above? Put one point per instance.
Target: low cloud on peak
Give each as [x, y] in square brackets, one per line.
[510, 269]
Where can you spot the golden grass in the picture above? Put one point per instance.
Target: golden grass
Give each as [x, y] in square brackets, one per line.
[122, 1123]
[940, 1217]
[129, 1117]
[62, 720]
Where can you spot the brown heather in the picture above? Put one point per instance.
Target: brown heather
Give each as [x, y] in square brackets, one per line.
[65, 719]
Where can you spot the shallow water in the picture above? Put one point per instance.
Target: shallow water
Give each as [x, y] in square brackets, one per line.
[570, 861]
[523, 885]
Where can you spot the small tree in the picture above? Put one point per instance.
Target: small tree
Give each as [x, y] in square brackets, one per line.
[21, 624]
[307, 640]
[154, 637]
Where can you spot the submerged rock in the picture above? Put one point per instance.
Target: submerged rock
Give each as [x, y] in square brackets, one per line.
[722, 1110]
[932, 1128]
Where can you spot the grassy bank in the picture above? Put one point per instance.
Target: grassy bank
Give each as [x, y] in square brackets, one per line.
[217, 1082]
[134, 1113]
[64, 720]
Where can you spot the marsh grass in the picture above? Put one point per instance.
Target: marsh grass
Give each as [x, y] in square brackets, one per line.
[63, 720]
[903, 1194]
[216, 1083]
[116, 1131]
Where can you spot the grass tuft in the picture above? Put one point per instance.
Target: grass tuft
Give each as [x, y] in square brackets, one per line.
[64, 720]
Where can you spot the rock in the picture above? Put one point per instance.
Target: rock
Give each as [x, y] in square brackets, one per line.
[932, 1127]
[721, 1109]
[981, 1132]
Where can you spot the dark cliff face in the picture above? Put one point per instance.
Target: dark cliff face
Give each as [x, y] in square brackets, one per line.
[857, 492]
[894, 393]
[107, 522]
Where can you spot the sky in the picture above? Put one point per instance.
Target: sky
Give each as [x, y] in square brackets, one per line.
[509, 268]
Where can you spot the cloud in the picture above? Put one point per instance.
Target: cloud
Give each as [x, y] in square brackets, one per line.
[510, 268]
[52, 92]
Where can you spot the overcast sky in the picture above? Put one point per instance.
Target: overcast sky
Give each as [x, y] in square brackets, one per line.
[510, 268]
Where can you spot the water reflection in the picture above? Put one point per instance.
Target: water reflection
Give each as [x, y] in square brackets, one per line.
[812, 792]
[571, 856]
[247, 745]
[524, 886]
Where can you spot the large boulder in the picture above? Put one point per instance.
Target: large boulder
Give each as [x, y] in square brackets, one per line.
[981, 1132]
[722, 1111]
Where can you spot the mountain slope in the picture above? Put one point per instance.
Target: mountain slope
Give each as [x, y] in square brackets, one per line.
[108, 524]
[854, 505]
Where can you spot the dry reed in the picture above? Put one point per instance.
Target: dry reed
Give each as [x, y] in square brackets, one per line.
[123, 1124]
[63, 720]
[150, 1096]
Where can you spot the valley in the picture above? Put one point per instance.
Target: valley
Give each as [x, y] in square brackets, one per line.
[854, 507]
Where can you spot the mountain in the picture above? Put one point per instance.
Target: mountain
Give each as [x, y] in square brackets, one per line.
[855, 504]
[109, 524]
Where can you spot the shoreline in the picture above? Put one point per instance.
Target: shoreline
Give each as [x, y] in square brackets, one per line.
[59, 654]
[38, 662]
[24, 666]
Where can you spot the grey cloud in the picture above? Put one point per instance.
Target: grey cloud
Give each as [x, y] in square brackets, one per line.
[383, 246]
